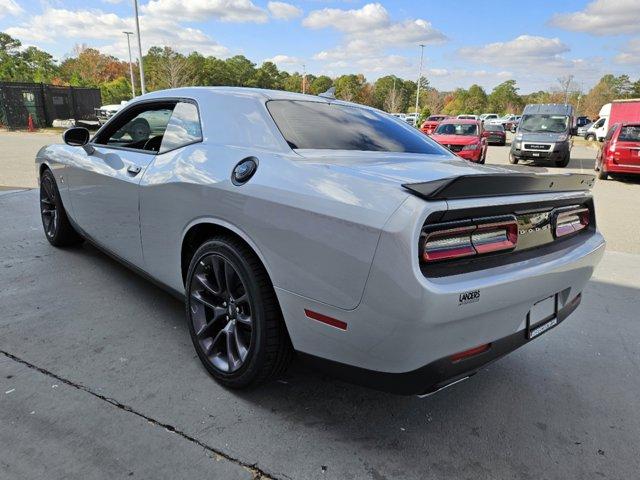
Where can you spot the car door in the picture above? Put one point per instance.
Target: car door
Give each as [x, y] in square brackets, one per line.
[104, 179]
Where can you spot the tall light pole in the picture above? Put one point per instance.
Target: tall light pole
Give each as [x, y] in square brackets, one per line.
[133, 85]
[304, 78]
[415, 119]
[135, 9]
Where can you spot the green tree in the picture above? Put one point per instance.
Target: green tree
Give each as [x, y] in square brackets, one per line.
[349, 87]
[115, 91]
[321, 84]
[266, 76]
[505, 99]
[241, 70]
[476, 100]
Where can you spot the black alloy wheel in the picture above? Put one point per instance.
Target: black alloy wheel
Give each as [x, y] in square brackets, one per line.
[48, 206]
[57, 228]
[221, 313]
[233, 315]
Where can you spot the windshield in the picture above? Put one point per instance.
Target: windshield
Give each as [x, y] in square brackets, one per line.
[331, 126]
[435, 118]
[457, 129]
[544, 123]
[493, 128]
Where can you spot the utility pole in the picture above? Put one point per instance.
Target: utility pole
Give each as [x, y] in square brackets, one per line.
[304, 78]
[566, 83]
[415, 119]
[135, 9]
[133, 85]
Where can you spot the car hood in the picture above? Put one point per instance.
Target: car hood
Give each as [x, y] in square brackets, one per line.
[395, 168]
[540, 137]
[455, 139]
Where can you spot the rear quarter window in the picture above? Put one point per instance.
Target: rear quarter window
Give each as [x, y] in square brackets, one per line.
[332, 126]
[630, 133]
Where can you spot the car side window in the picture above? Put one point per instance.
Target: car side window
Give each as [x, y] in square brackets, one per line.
[611, 131]
[183, 127]
[141, 127]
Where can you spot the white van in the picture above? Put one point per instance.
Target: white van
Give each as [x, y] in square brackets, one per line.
[599, 129]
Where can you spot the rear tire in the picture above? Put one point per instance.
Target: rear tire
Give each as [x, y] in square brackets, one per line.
[602, 175]
[590, 137]
[57, 228]
[233, 315]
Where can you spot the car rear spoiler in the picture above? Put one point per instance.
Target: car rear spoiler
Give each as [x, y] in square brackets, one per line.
[500, 184]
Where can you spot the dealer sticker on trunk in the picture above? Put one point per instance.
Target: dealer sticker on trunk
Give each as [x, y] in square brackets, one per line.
[469, 297]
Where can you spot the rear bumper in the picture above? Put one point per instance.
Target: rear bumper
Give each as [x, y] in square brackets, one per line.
[435, 375]
[610, 166]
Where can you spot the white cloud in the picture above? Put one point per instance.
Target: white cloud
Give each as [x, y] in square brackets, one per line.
[285, 60]
[372, 15]
[283, 11]
[522, 50]
[97, 25]
[602, 17]
[536, 61]
[630, 55]
[198, 10]
[369, 32]
[9, 7]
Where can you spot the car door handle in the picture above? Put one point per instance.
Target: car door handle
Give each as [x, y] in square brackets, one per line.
[134, 169]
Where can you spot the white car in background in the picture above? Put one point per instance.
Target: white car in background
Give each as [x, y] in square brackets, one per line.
[105, 112]
[465, 116]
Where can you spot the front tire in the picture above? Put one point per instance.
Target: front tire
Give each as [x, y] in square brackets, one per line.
[513, 160]
[590, 137]
[233, 315]
[57, 228]
[564, 161]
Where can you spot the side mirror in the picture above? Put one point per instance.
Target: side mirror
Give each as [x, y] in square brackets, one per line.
[76, 137]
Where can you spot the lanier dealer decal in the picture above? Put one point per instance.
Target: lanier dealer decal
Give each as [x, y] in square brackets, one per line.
[469, 297]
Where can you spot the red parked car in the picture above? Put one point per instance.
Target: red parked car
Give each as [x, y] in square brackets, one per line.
[463, 137]
[620, 152]
[494, 134]
[432, 122]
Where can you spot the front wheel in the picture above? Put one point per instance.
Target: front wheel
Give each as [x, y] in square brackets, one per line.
[564, 161]
[57, 228]
[590, 137]
[513, 160]
[233, 315]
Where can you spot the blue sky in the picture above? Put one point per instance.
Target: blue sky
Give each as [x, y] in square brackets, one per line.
[468, 41]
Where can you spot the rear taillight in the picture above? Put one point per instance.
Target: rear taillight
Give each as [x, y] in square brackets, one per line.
[571, 221]
[480, 237]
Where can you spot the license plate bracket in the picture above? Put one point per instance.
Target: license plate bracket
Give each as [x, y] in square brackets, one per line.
[543, 316]
[536, 154]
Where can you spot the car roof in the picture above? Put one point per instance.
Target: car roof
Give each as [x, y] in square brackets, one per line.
[548, 109]
[460, 120]
[261, 94]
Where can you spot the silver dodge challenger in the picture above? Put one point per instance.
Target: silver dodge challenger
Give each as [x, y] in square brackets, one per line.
[294, 223]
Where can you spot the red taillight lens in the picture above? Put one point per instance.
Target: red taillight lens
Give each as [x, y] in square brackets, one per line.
[494, 237]
[448, 244]
[571, 221]
[486, 236]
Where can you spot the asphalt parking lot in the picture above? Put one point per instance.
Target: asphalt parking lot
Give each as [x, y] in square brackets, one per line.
[98, 377]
